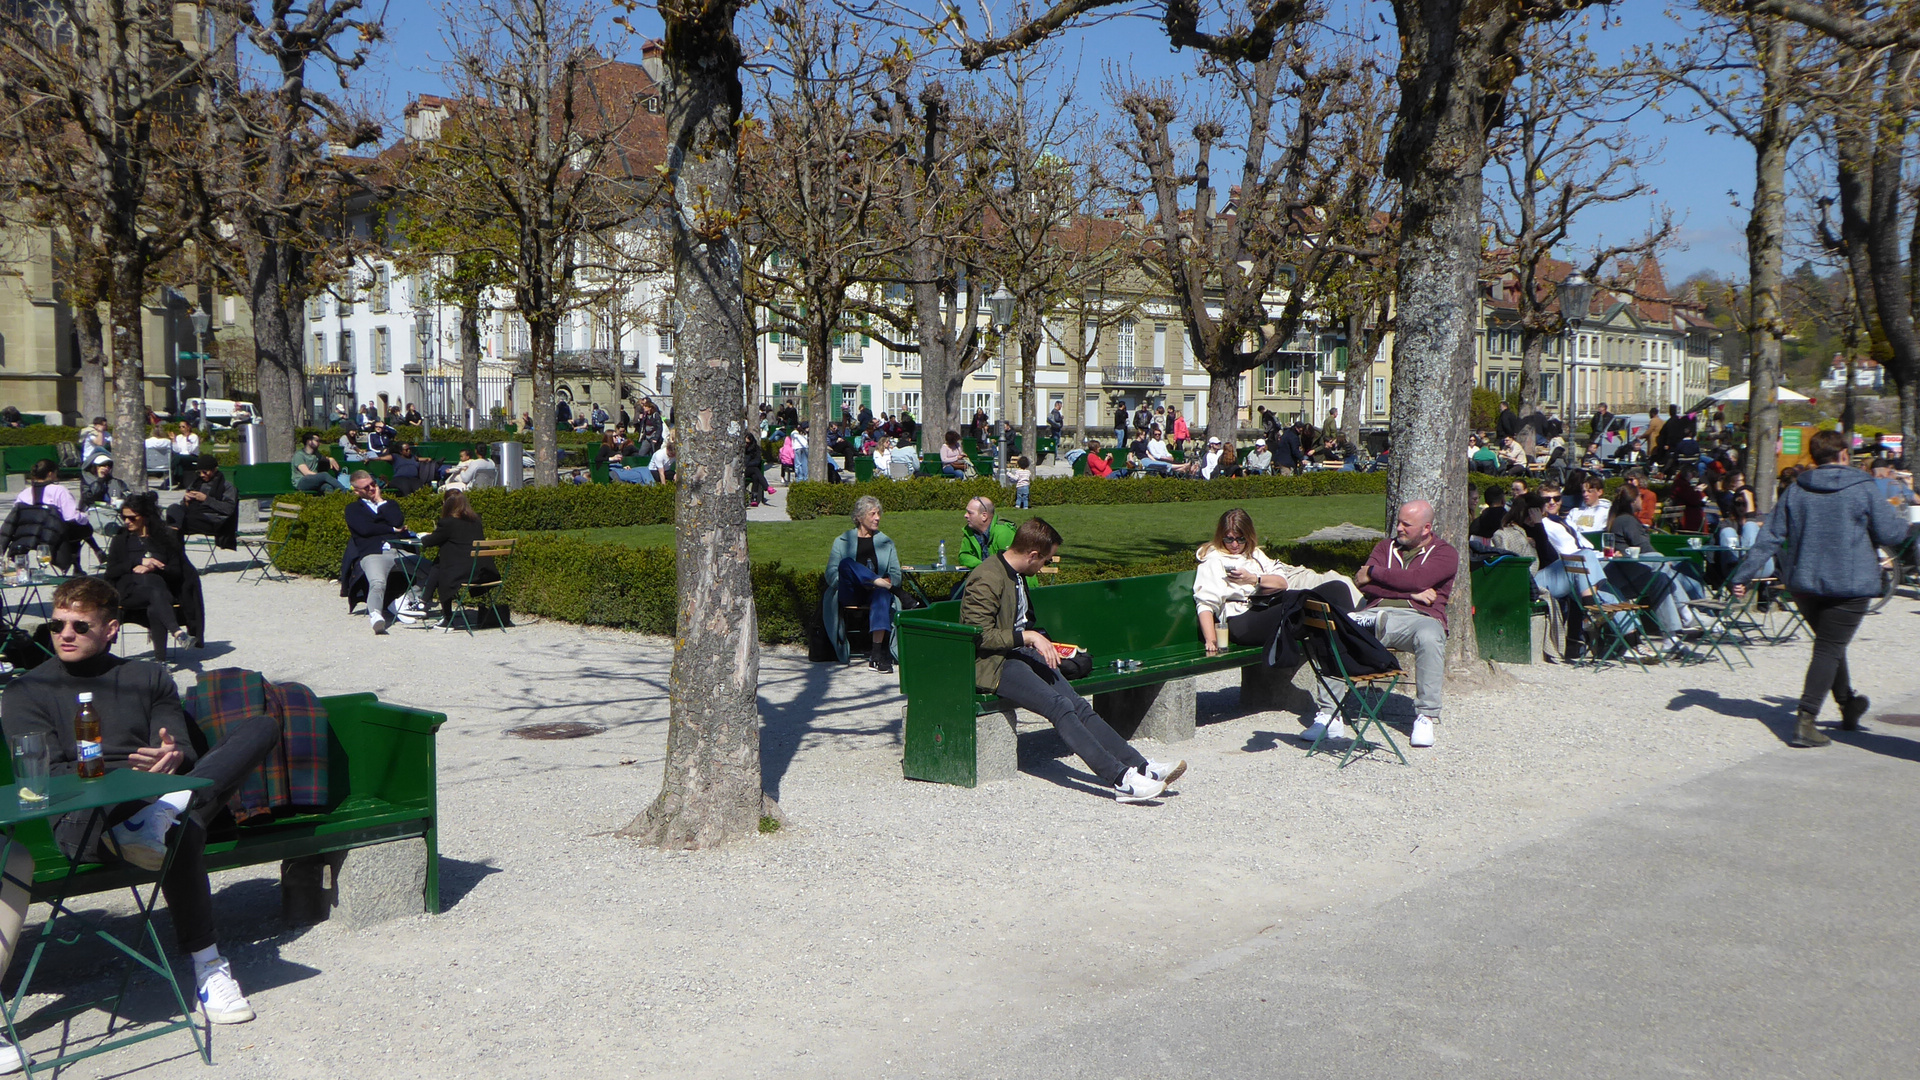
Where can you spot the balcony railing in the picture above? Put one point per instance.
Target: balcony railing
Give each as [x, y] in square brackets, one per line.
[1133, 375]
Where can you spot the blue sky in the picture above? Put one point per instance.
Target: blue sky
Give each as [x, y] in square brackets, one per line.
[1699, 174]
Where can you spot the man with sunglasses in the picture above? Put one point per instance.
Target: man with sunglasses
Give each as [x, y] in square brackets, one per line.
[141, 727]
[373, 523]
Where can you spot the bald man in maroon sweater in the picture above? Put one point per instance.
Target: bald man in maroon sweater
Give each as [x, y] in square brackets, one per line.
[1418, 567]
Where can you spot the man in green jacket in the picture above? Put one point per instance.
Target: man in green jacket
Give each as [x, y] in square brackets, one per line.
[985, 535]
[1017, 662]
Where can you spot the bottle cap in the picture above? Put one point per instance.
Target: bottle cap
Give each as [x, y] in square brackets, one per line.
[86, 698]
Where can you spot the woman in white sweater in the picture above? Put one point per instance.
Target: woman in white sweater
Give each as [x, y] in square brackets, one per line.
[1233, 571]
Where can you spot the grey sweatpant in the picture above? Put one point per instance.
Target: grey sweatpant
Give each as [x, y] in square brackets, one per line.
[1406, 630]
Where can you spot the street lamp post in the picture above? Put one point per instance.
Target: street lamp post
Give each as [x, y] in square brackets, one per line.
[1576, 294]
[200, 321]
[423, 329]
[1001, 304]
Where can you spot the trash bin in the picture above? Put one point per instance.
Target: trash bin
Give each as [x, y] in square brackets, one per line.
[253, 444]
[1503, 610]
[506, 458]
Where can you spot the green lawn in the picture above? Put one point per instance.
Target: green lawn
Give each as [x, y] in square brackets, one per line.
[1093, 533]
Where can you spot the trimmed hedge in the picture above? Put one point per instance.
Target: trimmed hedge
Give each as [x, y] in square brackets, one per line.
[318, 538]
[411, 433]
[39, 435]
[815, 499]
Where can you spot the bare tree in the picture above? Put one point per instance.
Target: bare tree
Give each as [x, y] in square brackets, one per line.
[812, 188]
[1563, 150]
[1109, 294]
[938, 171]
[711, 792]
[1226, 261]
[103, 121]
[544, 151]
[1752, 75]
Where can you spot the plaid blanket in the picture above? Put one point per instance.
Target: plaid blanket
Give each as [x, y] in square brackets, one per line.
[295, 774]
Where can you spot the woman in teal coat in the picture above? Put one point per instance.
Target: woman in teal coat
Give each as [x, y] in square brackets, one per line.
[863, 569]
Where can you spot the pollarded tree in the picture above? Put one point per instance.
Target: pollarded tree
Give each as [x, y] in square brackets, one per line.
[1562, 150]
[812, 183]
[549, 149]
[103, 123]
[1247, 268]
[1754, 77]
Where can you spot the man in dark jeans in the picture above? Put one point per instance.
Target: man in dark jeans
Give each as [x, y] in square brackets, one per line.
[1016, 661]
[141, 727]
[1833, 515]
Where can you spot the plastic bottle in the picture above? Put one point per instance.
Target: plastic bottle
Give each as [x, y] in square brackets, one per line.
[89, 765]
[943, 554]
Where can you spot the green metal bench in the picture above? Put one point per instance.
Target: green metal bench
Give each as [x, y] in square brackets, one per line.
[263, 481]
[947, 720]
[382, 788]
[21, 459]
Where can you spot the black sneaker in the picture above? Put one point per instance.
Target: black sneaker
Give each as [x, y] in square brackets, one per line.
[881, 661]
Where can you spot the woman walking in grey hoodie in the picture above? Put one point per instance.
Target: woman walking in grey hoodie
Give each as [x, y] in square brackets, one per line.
[1828, 520]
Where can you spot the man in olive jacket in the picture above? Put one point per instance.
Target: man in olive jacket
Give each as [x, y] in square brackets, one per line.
[1016, 661]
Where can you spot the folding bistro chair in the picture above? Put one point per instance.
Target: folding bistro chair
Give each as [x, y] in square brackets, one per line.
[1606, 638]
[1360, 697]
[1723, 625]
[481, 594]
[262, 547]
[1776, 605]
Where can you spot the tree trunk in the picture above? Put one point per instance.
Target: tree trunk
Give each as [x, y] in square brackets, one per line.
[1223, 405]
[820, 391]
[1076, 411]
[712, 788]
[93, 362]
[470, 359]
[1359, 376]
[274, 350]
[1029, 413]
[126, 318]
[1766, 238]
[546, 442]
[1438, 150]
[1533, 349]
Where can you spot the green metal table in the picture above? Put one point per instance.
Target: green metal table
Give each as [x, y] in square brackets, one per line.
[65, 795]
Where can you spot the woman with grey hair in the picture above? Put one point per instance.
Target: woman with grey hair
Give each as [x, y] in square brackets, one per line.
[862, 571]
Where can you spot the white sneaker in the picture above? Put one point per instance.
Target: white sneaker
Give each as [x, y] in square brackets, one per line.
[143, 845]
[221, 1001]
[182, 640]
[379, 623]
[1166, 773]
[1422, 731]
[1138, 787]
[406, 618]
[1325, 725]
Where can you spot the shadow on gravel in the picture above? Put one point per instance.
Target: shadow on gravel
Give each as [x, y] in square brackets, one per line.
[197, 660]
[787, 724]
[458, 878]
[1043, 753]
[1774, 711]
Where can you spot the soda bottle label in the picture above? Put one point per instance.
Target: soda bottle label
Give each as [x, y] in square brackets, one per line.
[89, 750]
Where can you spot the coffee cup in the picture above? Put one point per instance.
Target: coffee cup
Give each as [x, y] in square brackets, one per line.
[1633, 553]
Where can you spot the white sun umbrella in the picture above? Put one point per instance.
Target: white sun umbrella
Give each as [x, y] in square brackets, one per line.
[1740, 391]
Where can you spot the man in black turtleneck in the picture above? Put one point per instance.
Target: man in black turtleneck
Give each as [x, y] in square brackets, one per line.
[141, 727]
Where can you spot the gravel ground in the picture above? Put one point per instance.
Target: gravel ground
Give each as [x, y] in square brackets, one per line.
[893, 925]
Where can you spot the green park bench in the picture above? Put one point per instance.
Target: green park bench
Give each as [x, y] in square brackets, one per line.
[1080, 463]
[262, 481]
[382, 790]
[21, 459]
[956, 735]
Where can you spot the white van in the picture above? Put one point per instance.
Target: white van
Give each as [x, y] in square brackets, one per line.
[1622, 430]
[220, 411]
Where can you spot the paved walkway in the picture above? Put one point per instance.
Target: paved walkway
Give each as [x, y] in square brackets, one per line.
[1512, 902]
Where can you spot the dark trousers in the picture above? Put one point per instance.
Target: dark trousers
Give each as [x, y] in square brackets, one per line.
[1256, 626]
[189, 895]
[148, 595]
[856, 587]
[1028, 682]
[1833, 621]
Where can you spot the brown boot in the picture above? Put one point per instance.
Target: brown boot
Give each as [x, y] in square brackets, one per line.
[1806, 734]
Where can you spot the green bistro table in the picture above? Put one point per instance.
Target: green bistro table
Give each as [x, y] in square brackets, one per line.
[67, 794]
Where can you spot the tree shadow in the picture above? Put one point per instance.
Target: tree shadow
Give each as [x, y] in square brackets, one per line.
[786, 726]
[1774, 711]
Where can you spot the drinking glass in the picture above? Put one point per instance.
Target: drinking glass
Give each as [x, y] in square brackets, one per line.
[1693, 542]
[30, 767]
[44, 555]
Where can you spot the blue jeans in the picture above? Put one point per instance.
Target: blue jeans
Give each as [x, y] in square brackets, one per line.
[856, 587]
[639, 474]
[951, 472]
[800, 465]
[1020, 497]
[1749, 532]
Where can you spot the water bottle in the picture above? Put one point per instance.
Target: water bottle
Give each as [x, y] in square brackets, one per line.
[943, 554]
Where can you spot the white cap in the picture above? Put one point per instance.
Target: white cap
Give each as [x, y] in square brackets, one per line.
[86, 698]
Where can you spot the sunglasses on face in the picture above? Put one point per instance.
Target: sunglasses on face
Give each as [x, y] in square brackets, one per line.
[59, 626]
[1235, 538]
[129, 517]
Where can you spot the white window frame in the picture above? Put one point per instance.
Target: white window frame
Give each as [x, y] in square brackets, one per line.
[382, 350]
[1124, 343]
